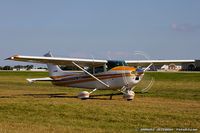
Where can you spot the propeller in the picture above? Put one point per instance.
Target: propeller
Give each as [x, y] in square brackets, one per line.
[147, 81]
[146, 84]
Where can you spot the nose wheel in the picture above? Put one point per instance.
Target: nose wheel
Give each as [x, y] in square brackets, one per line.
[129, 95]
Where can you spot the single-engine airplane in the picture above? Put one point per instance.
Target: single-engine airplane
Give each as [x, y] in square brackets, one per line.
[94, 74]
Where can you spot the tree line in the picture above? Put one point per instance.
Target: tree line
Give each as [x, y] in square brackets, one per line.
[18, 67]
[29, 67]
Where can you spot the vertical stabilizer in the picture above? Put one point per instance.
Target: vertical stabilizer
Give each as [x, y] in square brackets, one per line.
[54, 70]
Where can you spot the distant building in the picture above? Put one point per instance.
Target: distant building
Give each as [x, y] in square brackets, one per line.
[38, 70]
[19, 69]
[192, 66]
[33, 69]
[171, 67]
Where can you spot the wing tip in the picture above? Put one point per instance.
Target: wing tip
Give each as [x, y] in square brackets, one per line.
[12, 57]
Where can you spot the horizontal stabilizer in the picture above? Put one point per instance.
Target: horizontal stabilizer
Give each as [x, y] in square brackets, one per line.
[39, 79]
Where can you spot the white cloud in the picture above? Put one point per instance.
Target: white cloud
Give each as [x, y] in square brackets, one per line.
[185, 27]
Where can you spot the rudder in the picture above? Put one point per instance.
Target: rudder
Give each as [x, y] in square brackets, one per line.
[54, 70]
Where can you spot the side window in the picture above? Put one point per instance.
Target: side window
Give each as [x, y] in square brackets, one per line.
[89, 69]
[95, 70]
[99, 69]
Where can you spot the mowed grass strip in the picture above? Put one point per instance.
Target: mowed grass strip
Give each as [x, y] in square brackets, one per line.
[173, 85]
[169, 104]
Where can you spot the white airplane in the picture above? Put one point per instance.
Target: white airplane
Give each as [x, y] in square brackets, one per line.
[94, 74]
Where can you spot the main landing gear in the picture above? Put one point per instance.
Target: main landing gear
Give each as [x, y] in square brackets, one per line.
[128, 94]
[85, 95]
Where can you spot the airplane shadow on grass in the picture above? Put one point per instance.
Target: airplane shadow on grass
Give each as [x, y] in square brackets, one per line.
[64, 95]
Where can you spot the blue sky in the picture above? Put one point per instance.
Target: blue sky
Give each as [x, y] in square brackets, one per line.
[164, 29]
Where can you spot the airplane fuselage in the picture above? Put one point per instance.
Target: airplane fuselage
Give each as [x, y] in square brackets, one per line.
[116, 78]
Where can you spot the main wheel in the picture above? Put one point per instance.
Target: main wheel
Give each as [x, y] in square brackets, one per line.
[84, 95]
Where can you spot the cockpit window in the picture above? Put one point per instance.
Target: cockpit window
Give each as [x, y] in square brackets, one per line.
[114, 63]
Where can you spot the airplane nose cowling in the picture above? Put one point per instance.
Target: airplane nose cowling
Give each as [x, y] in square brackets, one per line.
[139, 71]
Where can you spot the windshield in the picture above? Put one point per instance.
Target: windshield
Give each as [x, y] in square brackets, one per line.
[114, 63]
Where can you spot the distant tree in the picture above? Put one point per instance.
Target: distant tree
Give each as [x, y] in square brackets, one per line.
[42, 68]
[7, 68]
[28, 67]
[1, 68]
[18, 67]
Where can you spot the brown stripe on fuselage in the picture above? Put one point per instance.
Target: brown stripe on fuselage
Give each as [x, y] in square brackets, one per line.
[88, 77]
[63, 76]
[75, 80]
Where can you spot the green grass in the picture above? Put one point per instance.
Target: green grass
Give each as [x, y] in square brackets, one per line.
[173, 85]
[172, 102]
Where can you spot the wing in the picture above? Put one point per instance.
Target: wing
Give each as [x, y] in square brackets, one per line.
[90, 62]
[156, 62]
[57, 60]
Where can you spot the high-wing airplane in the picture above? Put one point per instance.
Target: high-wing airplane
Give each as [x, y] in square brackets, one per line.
[94, 74]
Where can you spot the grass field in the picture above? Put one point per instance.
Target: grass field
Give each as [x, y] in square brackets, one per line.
[173, 102]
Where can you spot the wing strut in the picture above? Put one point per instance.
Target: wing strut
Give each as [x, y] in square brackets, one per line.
[91, 75]
[148, 67]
